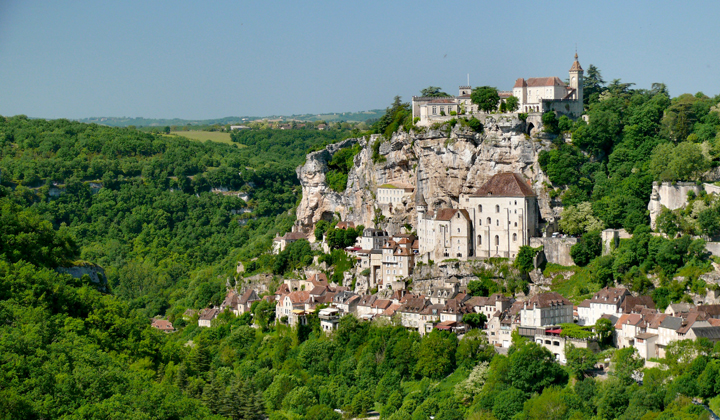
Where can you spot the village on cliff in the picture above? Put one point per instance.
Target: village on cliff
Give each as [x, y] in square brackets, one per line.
[445, 206]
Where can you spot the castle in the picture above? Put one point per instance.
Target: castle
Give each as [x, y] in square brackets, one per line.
[494, 221]
[535, 95]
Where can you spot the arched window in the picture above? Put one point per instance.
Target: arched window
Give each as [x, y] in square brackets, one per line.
[497, 208]
[497, 240]
[480, 222]
[497, 222]
[480, 208]
[515, 224]
[514, 237]
[489, 221]
[516, 202]
[479, 239]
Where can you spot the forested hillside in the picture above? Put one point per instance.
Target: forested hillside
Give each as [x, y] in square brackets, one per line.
[163, 238]
[603, 178]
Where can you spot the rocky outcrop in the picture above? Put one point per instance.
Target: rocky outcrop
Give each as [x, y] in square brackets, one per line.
[444, 162]
[93, 271]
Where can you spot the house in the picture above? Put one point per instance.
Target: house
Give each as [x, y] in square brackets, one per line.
[281, 242]
[329, 319]
[711, 333]
[207, 315]
[606, 301]
[398, 262]
[163, 325]
[393, 193]
[709, 311]
[293, 306]
[246, 300]
[445, 234]
[373, 239]
[346, 301]
[551, 338]
[546, 309]
[675, 309]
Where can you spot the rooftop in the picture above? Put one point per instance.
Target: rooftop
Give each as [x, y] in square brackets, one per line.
[505, 184]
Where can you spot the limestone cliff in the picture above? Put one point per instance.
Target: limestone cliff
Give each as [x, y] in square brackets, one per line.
[444, 163]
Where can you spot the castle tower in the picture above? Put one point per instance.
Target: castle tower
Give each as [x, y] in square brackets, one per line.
[576, 80]
[420, 205]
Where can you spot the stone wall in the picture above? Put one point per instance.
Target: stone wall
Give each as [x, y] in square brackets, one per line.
[611, 239]
[556, 250]
[671, 196]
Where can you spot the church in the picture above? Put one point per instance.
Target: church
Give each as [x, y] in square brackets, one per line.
[493, 221]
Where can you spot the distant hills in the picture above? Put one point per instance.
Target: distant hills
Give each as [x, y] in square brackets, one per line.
[161, 122]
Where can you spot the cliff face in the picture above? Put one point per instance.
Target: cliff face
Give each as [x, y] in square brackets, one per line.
[444, 166]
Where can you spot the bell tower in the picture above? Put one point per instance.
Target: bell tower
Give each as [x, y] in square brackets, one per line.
[576, 80]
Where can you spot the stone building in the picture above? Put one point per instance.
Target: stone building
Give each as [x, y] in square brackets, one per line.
[535, 95]
[542, 94]
[393, 193]
[494, 221]
[504, 213]
[546, 309]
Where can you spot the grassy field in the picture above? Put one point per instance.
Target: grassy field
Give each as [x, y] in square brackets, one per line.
[205, 135]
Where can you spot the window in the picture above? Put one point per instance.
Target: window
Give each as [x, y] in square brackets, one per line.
[479, 240]
[497, 240]
[480, 208]
[514, 237]
[489, 221]
[516, 202]
[497, 222]
[515, 224]
[497, 208]
[458, 230]
[434, 110]
[480, 222]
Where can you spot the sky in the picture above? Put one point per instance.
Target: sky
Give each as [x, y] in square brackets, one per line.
[212, 59]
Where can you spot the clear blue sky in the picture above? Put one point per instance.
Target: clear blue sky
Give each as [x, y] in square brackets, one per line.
[210, 59]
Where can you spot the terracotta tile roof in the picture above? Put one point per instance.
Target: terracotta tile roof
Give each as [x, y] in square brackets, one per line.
[432, 310]
[283, 289]
[609, 295]
[506, 184]
[414, 305]
[520, 83]
[711, 310]
[345, 225]
[447, 214]
[319, 290]
[367, 300]
[631, 303]
[416, 244]
[208, 314]
[249, 296]
[403, 252]
[294, 236]
[657, 320]
[390, 311]
[162, 324]
[584, 304]
[645, 336]
[621, 321]
[301, 296]
[544, 81]
[714, 322]
[546, 300]
[382, 304]
[231, 299]
[688, 323]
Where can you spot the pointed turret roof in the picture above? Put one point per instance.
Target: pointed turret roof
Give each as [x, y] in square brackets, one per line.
[576, 65]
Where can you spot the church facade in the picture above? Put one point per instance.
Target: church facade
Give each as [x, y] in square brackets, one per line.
[494, 221]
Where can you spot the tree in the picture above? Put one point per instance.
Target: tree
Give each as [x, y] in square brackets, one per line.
[626, 362]
[532, 368]
[589, 247]
[512, 103]
[474, 320]
[579, 219]
[550, 123]
[433, 92]
[525, 260]
[474, 348]
[486, 98]
[436, 357]
[508, 403]
[592, 84]
[604, 329]
[579, 360]
[467, 389]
